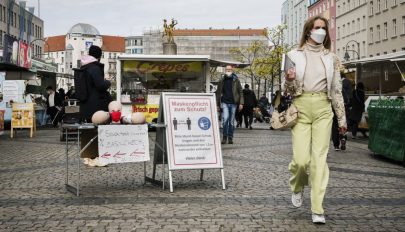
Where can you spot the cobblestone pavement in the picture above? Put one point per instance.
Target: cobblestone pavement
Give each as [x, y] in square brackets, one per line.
[365, 192]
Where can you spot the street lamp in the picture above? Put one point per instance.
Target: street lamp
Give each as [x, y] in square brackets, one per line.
[347, 56]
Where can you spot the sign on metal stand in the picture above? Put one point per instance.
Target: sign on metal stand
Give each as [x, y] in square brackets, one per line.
[190, 137]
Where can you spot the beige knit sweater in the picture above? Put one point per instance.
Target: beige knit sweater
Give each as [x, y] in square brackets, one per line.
[315, 75]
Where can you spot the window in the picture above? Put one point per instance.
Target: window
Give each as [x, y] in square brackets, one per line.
[364, 22]
[344, 7]
[358, 24]
[385, 31]
[378, 6]
[364, 47]
[403, 24]
[394, 27]
[344, 31]
[348, 28]
[63, 60]
[338, 11]
[371, 8]
[348, 5]
[385, 4]
[394, 3]
[338, 32]
[378, 33]
[371, 35]
[353, 27]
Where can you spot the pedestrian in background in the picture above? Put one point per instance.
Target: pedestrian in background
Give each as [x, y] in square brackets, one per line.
[250, 102]
[339, 140]
[264, 101]
[98, 98]
[54, 105]
[357, 108]
[230, 98]
[316, 86]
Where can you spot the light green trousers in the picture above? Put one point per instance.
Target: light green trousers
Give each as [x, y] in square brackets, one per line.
[311, 139]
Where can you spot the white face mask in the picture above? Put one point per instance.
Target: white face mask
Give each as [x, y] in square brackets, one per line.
[229, 73]
[318, 35]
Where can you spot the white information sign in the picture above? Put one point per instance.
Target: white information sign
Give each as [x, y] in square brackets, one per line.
[192, 133]
[123, 143]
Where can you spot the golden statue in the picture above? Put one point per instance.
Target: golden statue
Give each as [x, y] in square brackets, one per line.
[168, 30]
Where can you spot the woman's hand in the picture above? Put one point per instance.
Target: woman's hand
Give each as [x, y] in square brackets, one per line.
[342, 130]
[290, 76]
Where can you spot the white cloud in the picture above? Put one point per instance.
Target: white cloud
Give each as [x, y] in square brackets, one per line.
[125, 17]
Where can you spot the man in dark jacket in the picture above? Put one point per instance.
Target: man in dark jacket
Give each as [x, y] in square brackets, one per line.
[98, 98]
[339, 140]
[229, 97]
[54, 105]
[250, 102]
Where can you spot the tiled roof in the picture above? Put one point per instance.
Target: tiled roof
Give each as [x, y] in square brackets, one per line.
[113, 43]
[110, 43]
[55, 43]
[219, 32]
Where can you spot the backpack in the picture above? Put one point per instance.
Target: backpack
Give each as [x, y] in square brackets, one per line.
[82, 92]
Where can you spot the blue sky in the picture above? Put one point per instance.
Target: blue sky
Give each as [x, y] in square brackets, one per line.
[131, 17]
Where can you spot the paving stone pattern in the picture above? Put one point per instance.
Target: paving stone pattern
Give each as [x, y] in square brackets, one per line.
[365, 192]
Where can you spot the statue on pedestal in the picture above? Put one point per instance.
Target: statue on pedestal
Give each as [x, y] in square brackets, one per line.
[168, 30]
[169, 46]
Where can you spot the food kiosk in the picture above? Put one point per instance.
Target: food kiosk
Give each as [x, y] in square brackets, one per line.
[141, 79]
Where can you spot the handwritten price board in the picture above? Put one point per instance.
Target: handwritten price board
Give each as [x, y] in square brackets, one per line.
[123, 143]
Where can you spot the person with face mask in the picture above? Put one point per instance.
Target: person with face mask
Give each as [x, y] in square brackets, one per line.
[229, 98]
[316, 86]
[98, 99]
[54, 105]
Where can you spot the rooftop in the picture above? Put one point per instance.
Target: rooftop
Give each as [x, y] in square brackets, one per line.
[219, 32]
[84, 29]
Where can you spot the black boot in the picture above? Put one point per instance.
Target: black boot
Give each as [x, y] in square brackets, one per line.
[230, 140]
[224, 139]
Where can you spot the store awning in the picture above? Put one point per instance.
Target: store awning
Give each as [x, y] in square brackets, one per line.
[395, 56]
[12, 68]
[223, 63]
[206, 58]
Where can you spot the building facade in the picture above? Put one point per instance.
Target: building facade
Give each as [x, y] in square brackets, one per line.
[326, 9]
[66, 50]
[19, 22]
[351, 29]
[213, 42]
[134, 45]
[297, 14]
[386, 26]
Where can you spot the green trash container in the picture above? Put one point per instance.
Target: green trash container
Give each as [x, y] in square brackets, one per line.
[387, 128]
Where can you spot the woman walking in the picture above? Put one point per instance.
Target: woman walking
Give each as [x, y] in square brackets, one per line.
[316, 86]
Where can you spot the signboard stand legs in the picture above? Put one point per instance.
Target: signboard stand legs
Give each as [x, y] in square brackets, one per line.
[159, 157]
[76, 143]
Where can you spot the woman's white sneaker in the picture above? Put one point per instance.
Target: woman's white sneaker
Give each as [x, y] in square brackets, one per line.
[86, 161]
[297, 198]
[98, 163]
[318, 218]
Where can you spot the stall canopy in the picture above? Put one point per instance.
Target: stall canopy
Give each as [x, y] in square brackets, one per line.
[206, 58]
